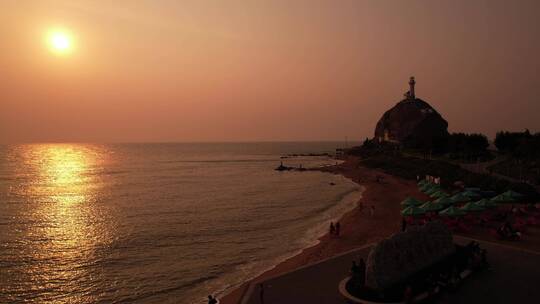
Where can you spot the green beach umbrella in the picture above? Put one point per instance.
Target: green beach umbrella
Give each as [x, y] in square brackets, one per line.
[426, 187]
[444, 200]
[438, 194]
[433, 190]
[513, 194]
[410, 201]
[485, 203]
[459, 198]
[432, 206]
[471, 194]
[412, 211]
[452, 211]
[470, 206]
[499, 199]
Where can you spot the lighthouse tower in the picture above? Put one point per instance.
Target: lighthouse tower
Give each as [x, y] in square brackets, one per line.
[411, 89]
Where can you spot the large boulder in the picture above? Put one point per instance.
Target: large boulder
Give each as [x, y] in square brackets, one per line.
[404, 254]
[412, 122]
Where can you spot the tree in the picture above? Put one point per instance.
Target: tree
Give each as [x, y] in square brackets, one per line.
[467, 146]
[508, 142]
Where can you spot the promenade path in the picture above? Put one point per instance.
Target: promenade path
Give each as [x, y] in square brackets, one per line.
[513, 278]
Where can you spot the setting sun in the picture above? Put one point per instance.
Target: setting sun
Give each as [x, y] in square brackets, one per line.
[60, 42]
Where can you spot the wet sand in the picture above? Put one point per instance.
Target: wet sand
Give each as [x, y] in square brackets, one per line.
[358, 227]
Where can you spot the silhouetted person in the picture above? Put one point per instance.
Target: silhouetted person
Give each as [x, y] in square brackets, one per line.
[354, 269]
[338, 228]
[212, 300]
[403, 224]
[332, 228]
[261, 293]
[361, 273]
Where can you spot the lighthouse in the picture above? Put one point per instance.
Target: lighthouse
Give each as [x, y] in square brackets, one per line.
[411, 87]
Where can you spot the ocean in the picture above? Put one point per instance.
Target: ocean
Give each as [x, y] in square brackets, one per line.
[156, 223]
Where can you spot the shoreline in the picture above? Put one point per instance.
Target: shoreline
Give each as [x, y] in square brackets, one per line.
[358, 226]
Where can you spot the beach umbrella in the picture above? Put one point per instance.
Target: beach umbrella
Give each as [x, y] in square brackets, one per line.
[429, 185]
[471, 194]
[470, 206]
[432, 206]
[433, 190]
[485, 203]
[412, 211]
[426, 187]
[438, 194]
[452, 211]
[444, 200]
[513, 194]
[410, 201]
[459, 198]
[499, 199]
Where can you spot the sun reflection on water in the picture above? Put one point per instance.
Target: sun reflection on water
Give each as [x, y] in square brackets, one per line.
[68, 223]
[64, 171]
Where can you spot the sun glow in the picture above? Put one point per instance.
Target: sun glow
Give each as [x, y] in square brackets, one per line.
[60, 41]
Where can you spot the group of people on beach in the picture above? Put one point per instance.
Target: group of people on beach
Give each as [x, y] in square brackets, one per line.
[335, 229]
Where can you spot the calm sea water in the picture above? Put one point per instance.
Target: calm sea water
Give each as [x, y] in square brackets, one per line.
[155, 223]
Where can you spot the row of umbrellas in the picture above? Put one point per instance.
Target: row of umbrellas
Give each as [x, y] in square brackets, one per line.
[444, 203]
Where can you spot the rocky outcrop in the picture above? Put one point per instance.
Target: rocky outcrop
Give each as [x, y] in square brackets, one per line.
[411, 122]
[398, 257]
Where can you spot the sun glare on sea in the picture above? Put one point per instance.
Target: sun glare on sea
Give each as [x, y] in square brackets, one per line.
[60, 41]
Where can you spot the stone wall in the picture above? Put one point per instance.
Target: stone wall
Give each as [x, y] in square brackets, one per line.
[403, 254]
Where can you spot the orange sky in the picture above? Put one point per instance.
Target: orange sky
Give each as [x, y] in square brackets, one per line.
[263, 70]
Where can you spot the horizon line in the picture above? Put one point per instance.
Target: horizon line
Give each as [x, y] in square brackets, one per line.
[184, 142]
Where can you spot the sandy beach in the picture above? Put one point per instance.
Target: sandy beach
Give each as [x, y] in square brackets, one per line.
[358, 227]
[384, 192]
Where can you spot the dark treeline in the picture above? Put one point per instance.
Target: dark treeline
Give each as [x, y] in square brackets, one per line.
[522, 151]
[467, 146]
[519, 151]
[457, 145]
[522, 145]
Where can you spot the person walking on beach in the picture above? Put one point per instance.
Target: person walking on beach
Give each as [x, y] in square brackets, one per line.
[338, 228]
[372, 210]
[212, 300]
[261, 293]
[403, 224]
[332, 228]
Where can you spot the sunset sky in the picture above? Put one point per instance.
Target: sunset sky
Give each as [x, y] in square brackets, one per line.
[140, 71]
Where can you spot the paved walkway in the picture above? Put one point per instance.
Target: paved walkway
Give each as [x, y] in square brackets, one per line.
[513, 278]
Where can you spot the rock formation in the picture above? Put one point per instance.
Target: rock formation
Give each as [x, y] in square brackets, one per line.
[403, 254]
[411, 122]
